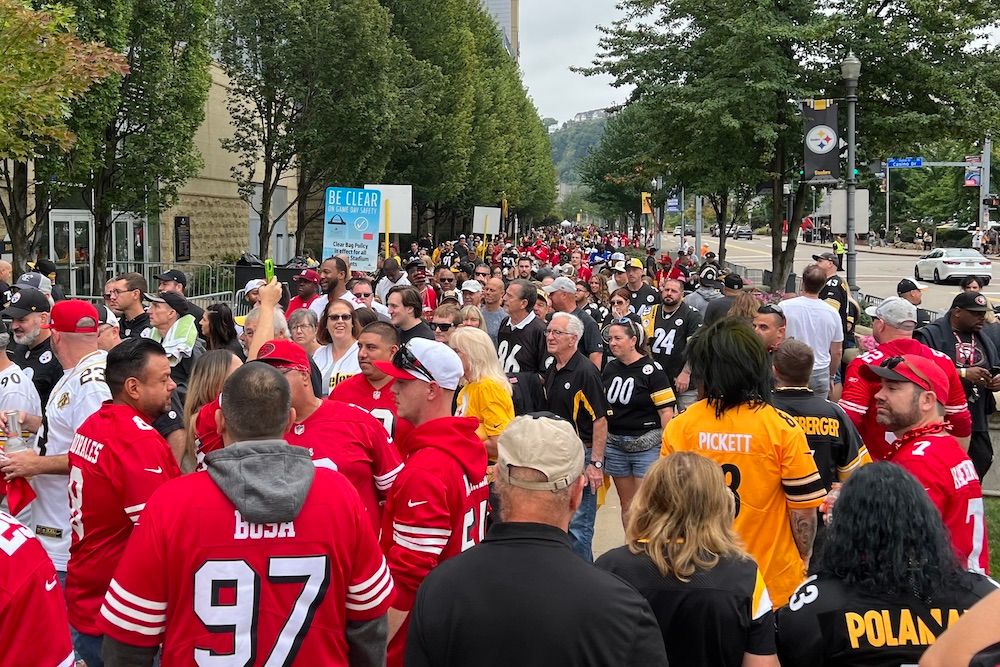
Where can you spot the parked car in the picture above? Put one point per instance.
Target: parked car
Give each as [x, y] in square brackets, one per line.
[943, 264]
[743, 232]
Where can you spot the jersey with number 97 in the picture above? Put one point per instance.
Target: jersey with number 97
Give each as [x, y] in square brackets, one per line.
[218, 590]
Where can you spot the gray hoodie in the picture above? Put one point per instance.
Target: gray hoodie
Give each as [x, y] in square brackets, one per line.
[267, 480]
[700, 298]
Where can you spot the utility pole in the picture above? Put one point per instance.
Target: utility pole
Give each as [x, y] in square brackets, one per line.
[697, 223]
[850, 70]
[984, 184]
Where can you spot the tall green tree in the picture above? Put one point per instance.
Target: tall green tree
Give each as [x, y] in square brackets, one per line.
[135, 132]
[46, 67]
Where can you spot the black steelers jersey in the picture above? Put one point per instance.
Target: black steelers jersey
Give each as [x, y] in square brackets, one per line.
[835, 444]
[668, 333]
[522, 349]
[712, 619]
[635, 393]
[643, 299]
[834, 292]
[508, 260]
[827, 623]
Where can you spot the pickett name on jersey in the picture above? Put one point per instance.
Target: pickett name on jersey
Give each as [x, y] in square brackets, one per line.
[895, 627]
[261, 531]
[725, 442]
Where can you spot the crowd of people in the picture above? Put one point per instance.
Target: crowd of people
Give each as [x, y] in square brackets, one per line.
[405, 466]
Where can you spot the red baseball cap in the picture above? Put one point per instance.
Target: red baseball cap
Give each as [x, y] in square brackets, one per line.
[67, 315]
[921, 371]
[306, 276]
[284, 354]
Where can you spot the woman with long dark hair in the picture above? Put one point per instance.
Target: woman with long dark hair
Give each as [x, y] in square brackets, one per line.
[886, 584]
[219, 329]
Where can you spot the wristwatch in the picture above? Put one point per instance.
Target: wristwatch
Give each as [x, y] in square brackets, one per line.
[598, 464]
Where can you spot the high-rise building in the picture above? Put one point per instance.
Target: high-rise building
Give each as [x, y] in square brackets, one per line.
[505, 13]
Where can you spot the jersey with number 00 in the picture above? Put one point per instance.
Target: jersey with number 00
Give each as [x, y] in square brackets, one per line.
[217, 590]
[380, 403]
[829, 623]
[636, 392]
[522, 348]
[950, 479]
[668, 334]
[79, 394]
[117, 460]
[344, 437]
[31, 600]
[766, 460]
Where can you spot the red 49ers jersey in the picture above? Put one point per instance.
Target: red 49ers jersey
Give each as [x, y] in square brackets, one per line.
[117, 460]
[30, 597]
[379, 402]
[945, 471]
[346, 438]
[203, 581]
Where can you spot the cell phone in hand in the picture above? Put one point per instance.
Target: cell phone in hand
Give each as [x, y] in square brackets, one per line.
[268, 269]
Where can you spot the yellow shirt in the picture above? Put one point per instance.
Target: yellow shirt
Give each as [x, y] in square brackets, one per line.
[767, 464]
[488, 402]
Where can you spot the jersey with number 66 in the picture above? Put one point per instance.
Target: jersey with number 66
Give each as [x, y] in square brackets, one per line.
[766, 460]
[218, 590]
[950, 479]
[436, 508]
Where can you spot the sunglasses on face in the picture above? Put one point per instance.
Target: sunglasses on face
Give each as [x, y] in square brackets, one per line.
[405, 360]
[362, 295]
[339, 317]
[482, 275]
[442, 326]
[618, 302]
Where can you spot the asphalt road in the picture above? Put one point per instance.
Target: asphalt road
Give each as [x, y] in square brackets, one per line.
[878, 272]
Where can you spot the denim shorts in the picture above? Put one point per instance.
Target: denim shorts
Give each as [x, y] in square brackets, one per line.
[619, 463]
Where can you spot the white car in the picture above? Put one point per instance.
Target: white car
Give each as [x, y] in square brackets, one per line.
[953, 263]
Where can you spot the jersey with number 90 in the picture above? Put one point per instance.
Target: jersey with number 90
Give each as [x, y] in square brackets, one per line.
[217, 590]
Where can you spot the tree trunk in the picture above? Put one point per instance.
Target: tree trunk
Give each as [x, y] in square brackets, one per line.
[102, 229]
[721, 210]
[17, 224]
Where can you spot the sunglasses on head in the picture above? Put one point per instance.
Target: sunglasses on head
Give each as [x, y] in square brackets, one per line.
[405, 360]
[770, 309]
[892, 362]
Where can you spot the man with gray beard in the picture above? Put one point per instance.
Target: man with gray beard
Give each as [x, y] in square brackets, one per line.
[31, 348]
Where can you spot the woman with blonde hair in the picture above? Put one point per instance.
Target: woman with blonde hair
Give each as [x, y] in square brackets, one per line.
[471, 316]
[684, 557]
[486, 393]
[204, 386]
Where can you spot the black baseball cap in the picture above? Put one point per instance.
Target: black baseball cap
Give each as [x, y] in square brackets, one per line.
[971, 301]
[733, 281]
[174, 275]
[26, 301]
[172, 299]
[829, 256]
[906, 285]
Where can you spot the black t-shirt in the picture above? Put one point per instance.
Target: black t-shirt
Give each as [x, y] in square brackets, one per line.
[134, 328]
[668, 334]
[418, 330]
[522, 349]
[39, 364]
[712, 619]
[448, 258]
[642, 300]
[635, 393]
[834, 292]
[718, 309]
[5, 294]
[828, 623]
[575, 392]
[592, 340]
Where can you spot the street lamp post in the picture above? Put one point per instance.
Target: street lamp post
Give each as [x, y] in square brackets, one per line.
[850, 70]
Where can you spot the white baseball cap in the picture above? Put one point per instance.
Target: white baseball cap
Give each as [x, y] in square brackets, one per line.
[427, 361]
[252, 284]
[472, 286]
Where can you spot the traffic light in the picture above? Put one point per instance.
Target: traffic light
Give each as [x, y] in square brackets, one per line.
[992, 200]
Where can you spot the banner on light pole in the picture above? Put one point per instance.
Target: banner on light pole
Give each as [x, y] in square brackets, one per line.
[821, 142]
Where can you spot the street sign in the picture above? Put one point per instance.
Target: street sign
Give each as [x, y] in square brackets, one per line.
[906, 162]
[352, 225]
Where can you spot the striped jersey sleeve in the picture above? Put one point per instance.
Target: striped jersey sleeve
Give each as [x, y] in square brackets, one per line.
[800, 479]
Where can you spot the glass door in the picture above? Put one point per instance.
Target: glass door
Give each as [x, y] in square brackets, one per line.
[71, 248]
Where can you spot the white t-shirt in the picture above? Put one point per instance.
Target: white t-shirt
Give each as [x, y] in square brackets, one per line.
[384, 285]
[17, 392]
[816, 324]
[75, 397]
[334, 371]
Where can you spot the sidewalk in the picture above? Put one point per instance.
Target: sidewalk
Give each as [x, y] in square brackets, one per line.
[899, 252]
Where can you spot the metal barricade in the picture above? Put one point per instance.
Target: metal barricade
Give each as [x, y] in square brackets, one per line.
[202, 279]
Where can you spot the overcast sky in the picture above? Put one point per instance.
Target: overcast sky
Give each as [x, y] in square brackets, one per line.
[558, 34]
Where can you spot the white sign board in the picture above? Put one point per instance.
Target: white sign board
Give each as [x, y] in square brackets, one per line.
[486, 220]
[399, 199]
[838, 211]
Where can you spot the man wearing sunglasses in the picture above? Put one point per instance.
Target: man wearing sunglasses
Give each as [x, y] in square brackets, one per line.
[437, 506]
[910, 403]
[893, 323]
